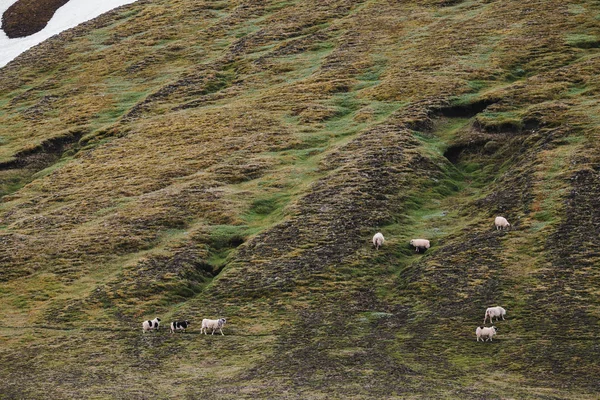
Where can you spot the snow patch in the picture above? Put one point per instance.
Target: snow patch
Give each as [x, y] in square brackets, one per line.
[68, 16]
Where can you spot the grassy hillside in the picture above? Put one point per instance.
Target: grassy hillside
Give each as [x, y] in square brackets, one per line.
[188, 159]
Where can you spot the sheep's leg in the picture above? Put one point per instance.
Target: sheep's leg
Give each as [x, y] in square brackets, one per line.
[221, 331]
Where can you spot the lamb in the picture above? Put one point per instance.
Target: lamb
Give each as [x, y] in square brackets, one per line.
[378, 240]
[176, 325]
[151, 325]
[420, 244]
[213, 324]
[494, 312]
[501, 223]
[487, 333]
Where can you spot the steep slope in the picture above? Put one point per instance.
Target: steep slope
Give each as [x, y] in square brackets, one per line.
[189, 159]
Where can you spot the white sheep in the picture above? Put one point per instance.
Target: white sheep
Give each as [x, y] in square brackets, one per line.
[494, 312]
[151, 325]
[378, 240]
[420, 244]
[487, 333]
[501, 223]
[213, 324]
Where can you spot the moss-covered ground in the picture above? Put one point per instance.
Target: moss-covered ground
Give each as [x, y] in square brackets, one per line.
[202, 159]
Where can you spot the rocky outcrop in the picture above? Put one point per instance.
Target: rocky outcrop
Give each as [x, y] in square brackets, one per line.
[27, 17]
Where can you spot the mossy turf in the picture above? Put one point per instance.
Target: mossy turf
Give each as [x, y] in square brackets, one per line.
[188, 160]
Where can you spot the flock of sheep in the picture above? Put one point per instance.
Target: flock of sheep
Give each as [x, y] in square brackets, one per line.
[420, 245]
[213, 324]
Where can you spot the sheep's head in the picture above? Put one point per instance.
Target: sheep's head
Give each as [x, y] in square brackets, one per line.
[412, 242]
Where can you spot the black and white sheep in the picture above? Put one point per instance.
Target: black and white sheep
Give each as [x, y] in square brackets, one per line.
[494, 312]
[420, 244]
[179, 325]
[501, 223]
[378, 240]
[213, 324]
[151, 325]
[485, 333]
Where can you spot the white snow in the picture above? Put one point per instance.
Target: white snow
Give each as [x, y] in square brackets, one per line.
[71, 14]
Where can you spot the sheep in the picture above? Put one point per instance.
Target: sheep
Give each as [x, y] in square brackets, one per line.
[494, 312]
[151, 325]
[378, 240]
[487, 333]
[176, 325]
[213, 324]
[501, 223]
[420, 244]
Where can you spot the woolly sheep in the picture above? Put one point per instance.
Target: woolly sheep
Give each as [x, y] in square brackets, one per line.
[420, 244]
[487, 333]
[494, 312]
[179, 325]
[151, 325]
[213, 324]
[501, 223]
[378, 240]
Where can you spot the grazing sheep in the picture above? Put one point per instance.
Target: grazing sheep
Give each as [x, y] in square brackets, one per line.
[494, 312]
[378, 240]
[213, 324]
[501, 223]
[151, 325]
[179, 326]
[487, 333]
[420, 244]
